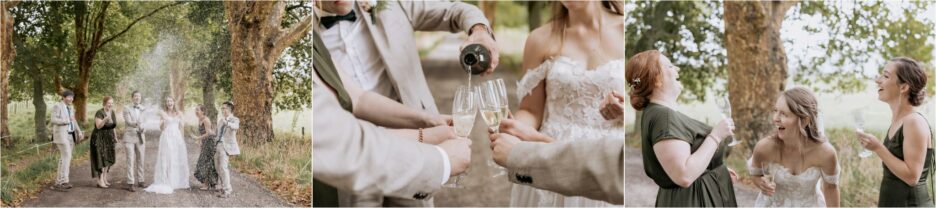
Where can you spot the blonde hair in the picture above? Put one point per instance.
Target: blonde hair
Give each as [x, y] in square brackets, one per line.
[560, 19]
[803, 104]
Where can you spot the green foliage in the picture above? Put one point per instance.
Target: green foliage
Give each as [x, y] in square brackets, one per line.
[690, 34]
[293, 72]
[41, 41]
[687, 33]
[871, 34]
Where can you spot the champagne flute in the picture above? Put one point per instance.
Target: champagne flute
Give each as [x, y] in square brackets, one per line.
[725, 106]
[767, 176]
[464, 109]
[492, 114]
[502, 96]
[504, 110]
[859, 126]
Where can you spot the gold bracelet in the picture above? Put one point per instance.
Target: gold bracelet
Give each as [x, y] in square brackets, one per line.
[420, 135]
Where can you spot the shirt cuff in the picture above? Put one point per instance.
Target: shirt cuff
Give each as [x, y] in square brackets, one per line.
[446, 167]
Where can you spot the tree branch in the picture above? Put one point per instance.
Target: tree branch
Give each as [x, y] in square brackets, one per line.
[135, 21]
[291, 35]
[290, 8]
[98, 22]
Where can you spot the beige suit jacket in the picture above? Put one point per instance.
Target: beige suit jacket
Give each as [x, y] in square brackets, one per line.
[61, 119]
[593, 168]
[357, 156]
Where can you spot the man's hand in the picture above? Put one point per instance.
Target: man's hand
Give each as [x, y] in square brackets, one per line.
[459, 154]
[480, 35]
[501, 144]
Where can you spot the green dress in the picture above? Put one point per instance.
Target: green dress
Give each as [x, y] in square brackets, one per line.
[712, 189]
[894, 192]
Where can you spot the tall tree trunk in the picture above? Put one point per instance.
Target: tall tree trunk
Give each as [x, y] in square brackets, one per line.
[39, 104]
[177, 85]
[208, 97]
[257, 41]
[81, 90]
[7, 52]
[757, 65]
[489, 8]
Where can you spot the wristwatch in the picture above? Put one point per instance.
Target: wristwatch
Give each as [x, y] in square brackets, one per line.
[486, 28]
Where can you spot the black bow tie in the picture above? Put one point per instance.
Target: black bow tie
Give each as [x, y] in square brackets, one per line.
[330, 21]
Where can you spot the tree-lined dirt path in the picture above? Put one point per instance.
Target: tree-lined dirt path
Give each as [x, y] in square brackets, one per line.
[247, 192]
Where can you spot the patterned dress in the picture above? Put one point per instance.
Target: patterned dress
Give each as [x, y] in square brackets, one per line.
[205, 170]
[102, 144]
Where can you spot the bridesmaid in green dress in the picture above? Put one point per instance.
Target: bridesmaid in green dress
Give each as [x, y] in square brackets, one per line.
[907, 150]
[683, 156]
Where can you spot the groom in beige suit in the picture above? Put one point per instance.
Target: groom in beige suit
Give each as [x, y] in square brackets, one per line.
[227, 146]
[374, 45]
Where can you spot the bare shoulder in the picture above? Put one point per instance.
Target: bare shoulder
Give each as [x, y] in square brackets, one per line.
[535, 48]
[826, 150]
[827, 156]
[765, 147]
[917, 126]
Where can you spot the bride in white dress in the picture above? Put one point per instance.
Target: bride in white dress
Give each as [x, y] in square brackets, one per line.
[797, 157]
[573, 64]
[172, 168]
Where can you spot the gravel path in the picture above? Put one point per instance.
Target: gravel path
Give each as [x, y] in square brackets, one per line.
[247, 192]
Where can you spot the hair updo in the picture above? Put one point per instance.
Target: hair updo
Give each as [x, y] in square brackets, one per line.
[911, 72]
[641, 72]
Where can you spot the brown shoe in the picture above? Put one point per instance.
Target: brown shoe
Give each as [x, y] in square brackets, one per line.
[67, 185]
[141, 184]
[131, 187]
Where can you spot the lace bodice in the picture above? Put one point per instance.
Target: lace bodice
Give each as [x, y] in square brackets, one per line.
[802, 190]
[573, 99]
[574, 95]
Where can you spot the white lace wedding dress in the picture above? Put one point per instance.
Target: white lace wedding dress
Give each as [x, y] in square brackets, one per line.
[172, 168]
[802, 190]
[573, 98]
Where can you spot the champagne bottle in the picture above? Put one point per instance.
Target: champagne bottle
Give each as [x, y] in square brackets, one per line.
[475, 59]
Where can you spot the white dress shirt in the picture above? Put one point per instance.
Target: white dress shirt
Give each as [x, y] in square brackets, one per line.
[354, 53]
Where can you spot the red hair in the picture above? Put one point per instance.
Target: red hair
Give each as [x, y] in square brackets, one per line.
[106, 98]
[641, 72]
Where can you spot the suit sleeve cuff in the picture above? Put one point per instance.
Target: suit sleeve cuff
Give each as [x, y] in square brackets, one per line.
[446, 167]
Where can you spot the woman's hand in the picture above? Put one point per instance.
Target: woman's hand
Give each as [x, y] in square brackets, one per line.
[766, 187]
[437, 120]
[522, 131]
[723, 129]
[869, 141]
[612, 107]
